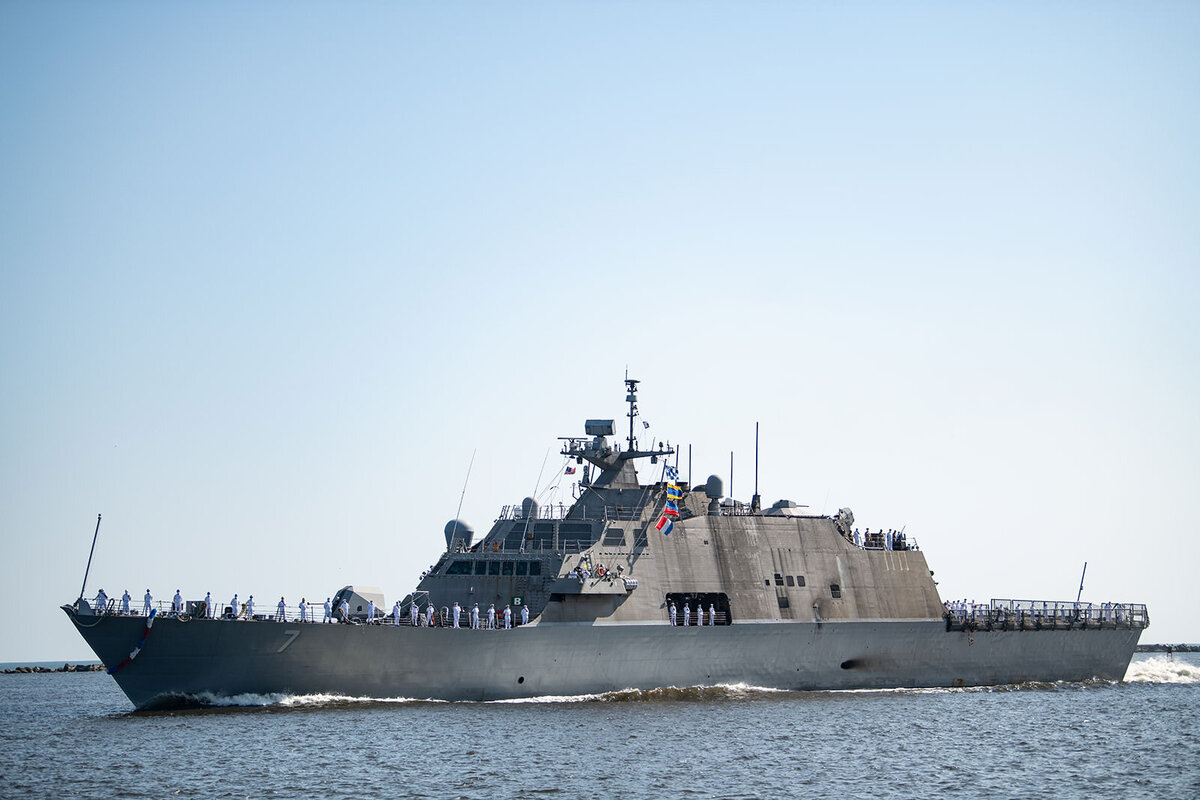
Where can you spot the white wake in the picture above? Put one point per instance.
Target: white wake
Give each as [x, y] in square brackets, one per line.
[1162, 669]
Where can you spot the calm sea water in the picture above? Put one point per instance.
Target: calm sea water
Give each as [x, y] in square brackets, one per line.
[74, 735]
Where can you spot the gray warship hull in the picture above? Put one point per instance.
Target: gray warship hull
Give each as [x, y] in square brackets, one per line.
[794, 600]
[198, 661]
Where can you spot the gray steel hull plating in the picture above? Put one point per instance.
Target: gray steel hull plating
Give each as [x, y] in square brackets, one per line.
[199, 659]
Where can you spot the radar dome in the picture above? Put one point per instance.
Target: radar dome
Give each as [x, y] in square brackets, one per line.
[529, 508]
[714, 487]
[458, 530]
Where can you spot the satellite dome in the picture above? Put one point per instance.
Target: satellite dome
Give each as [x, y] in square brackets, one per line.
[714, 487]
[458, 530]
[529, 508]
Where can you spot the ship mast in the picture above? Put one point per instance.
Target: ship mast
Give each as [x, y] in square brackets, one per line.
[631, 398]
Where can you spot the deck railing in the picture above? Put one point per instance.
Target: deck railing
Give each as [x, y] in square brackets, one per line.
[1043, 614]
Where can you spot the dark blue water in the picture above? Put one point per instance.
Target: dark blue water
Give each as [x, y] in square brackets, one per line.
[73, 735]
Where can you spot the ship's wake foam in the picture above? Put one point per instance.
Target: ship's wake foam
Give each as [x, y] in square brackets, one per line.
[1162, 669]
[729, 691]
[278, 700]
[1157, 670]
[284, 701]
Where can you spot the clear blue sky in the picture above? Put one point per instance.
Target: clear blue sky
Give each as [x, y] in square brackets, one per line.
[270, 272]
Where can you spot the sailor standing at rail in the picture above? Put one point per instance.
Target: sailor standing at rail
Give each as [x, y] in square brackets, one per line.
[700, 614]
[396, 613]
[328, 616]
[475, 617]
[125, 603]
[492, 617]
[457, 611]
[208, 605]
[524, 615]
[250, 607]
[671, 611]
[508, 618]
[303, 609]
[712, 615]
[101, 602]
[370, 612]
[687, 615]
[177, 603]
[429, 614]
[279, 610]
[233, 606]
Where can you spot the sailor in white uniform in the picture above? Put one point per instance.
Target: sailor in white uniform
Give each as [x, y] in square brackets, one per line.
[492, 617]
[233, 604]
[125, 603]
[475, 617]
[370, 612]
[328, 616]
[250, 607]
[344, 609]
[396, 613]
[712, 615]
[177, 602]
[457, 611]
[671, 610]
[524, 615]
[101, 602]
[279, 610]
[508, 618]
[687, 615]
[146, 602]
[208, 605]
[303, 609]
[700, 615]
[415, 613]
[429, 614]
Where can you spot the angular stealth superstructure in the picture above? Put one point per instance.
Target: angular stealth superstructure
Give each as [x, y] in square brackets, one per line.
[801, 601]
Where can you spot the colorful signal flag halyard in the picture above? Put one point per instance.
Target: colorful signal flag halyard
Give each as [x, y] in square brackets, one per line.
[674, 495]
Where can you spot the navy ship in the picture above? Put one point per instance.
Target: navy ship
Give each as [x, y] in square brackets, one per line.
[631, 586]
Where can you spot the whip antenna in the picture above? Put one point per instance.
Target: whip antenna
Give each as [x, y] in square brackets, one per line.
[458, 514]
[83, 588]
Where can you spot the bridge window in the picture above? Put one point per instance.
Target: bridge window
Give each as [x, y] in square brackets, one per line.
[535, 568]
[778, 579]
[835, 590]
[480, 567]
[799, 580]
[522, 567]
[789, 580]
[507, 568]
[614, 537]
[493, 568]
[459, 568]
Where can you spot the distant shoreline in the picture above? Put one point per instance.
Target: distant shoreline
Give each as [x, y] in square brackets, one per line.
[1167, 648]
[17, 668]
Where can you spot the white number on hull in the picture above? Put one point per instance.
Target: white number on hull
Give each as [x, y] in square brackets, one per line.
[291, 638]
